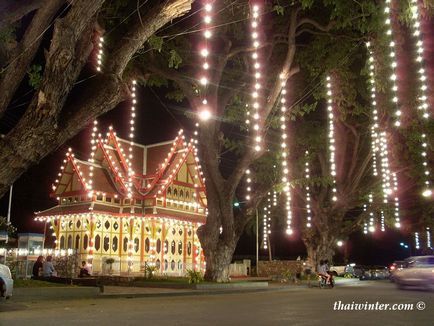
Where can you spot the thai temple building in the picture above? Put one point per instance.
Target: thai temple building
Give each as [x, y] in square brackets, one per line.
[141, 209]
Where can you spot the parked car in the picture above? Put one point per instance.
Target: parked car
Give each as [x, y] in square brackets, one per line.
[374, 273]
[420, 273]
[6, 282]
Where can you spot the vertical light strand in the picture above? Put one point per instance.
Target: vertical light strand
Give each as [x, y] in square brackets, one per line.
[374, 116]
[423, 88]
[99, 55]
[307, 188]
[256, 93]
[385, 168]
[416, 240]
[396, 201]
[394, 64]
[93, 144]
[371, 214]
[265, 228]
[365, 224]
[285, 167]
[131, 140]
[428, 238]
[331, 137]
[205, 112]
[382, 222]
[423, 100]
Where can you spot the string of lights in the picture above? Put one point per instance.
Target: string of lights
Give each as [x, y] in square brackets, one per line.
[371, 214]
[284, 147]
[396, 201]
[428, 237]
[307, 188]
[99, 55]
[331, 137]
[416, 240]
[394, 63]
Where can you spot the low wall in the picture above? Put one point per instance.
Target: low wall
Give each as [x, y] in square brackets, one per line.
[277, 268]
[240, 268]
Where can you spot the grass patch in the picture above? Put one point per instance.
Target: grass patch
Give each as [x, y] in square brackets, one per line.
[20, 283]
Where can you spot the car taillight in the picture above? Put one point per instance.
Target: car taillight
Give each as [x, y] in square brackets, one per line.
[392, 267]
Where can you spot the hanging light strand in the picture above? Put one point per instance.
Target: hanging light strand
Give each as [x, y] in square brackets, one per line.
[256, 91]
[396, 201]
[371, 214]
[374, 116]
[284, 147]
[428, 238]
[204, 111]
[416, 240]
[423, 89]
[129, 159]
[331, 137]
[307, 188]
[99, 55]
[93, 144]
[394, 63]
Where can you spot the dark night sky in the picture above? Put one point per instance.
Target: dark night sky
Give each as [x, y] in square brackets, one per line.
[159, 122]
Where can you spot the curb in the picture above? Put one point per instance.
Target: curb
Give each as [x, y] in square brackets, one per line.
[54, 293]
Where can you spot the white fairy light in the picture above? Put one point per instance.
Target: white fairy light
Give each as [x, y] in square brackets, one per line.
[331, 136]
[392, 54]
[285, 165]
[371, 214]
[423, 104]
[374, 116]
[308, 207]
[204, 113]
[423, 100]
[428, 237]
[396, 201]
[382, 222]
[416, 240]
[94, 144]
[99, 55]
[365, 224]
[129, 181]
[256, 91]
[385, 167]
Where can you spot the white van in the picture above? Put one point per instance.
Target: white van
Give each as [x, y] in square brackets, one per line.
[6, 282]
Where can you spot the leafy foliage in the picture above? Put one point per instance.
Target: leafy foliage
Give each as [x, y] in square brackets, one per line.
[35, 75]
[194, 276]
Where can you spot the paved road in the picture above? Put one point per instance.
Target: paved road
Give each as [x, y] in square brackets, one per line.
[292, 306]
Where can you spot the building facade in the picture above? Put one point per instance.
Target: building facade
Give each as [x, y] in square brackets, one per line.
[141, 209]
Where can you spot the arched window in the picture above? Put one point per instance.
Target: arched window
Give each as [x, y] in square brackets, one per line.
[69, 242]
[175, 193]
[169, 191]
[125, 246]
[115, 244]
[166, 264]
[173, 231]
[85, 241]
[77, 242]
[158, 246]
[189, 248]
[187, 195]
[173, 247]
[181, 193]
[107, 225]
[180, 247]
[106, 245]
[180, 265]
[62, 242]
[157, 264]
[180, 231]
[70, 224]
[97, 242]
[147, 244]
[172, 265]
[115, 225]
[136, 244]
[166, 246]
[78, 224]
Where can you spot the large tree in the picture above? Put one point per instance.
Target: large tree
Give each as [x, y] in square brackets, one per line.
[68, 92]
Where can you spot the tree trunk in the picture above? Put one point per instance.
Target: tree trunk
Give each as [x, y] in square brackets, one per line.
[320, 248]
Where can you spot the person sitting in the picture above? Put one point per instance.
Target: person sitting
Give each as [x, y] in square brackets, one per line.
[84, 270]
[322, 271]
[48, 268]
[37, 267]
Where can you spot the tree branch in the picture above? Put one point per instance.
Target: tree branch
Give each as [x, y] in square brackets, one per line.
[25, 51]
[314, 23]
[13, 10]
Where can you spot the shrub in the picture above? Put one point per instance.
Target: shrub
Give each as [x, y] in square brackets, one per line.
[194, 277]
[149, 271]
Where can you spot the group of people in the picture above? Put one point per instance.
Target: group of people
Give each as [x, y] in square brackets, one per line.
[46, 268]
[323, 270]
